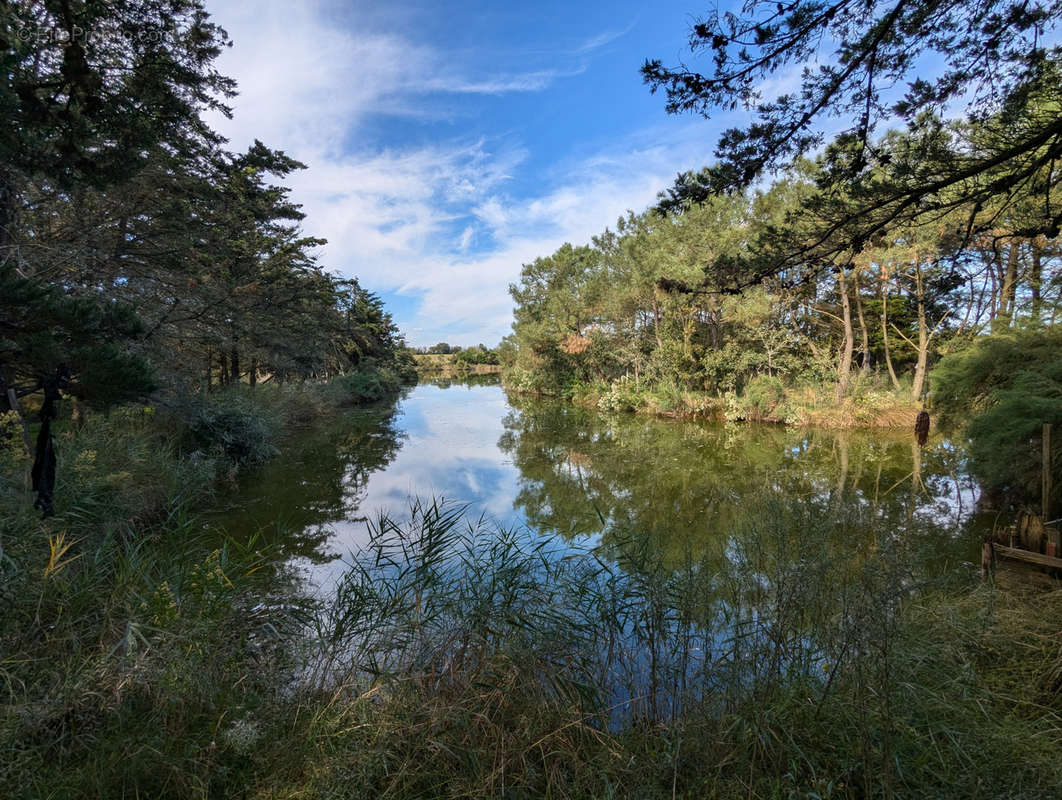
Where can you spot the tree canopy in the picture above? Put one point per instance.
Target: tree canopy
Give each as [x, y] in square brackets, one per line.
[971, 86]
[137, 251]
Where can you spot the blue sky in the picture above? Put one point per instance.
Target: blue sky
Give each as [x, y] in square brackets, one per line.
[449, 143]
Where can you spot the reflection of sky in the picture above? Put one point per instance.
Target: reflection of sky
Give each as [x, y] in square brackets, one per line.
[450, 453]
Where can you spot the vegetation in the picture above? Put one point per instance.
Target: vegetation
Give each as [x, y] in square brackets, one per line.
[168, 322]
[888, 250]
[446, 360]
[457, 659]
[619, 323]
[1001, 391]
[980, 117]
[132, 628]
[136, 253]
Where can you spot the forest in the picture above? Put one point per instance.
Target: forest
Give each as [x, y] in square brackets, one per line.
[846, 283]
[641, 310]
[138, 256]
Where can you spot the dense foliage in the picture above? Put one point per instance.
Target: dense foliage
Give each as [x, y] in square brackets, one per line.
[973, 85]
[861, 267]
[136, 251]
[1001, 392]
[640, 310]
[138, 231]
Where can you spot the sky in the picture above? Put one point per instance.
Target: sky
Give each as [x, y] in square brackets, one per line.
[449, 143]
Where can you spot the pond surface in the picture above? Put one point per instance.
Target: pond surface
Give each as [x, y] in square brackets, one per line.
[678, 488]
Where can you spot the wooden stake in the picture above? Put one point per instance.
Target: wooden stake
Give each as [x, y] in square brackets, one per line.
[1045, 496]
[12, 400]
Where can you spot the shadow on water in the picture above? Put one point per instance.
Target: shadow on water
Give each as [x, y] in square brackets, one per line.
[321, 477]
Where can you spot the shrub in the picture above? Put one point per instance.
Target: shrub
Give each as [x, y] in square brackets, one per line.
[365, 386]
[232, 423]
[764, 393]
[1000, 392]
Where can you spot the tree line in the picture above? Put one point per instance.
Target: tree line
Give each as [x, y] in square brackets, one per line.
[645, 302]
[136, 250]
[800, 269]
[813, 260]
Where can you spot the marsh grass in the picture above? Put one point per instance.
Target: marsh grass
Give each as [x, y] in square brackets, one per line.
[807, 654]
[459, 660]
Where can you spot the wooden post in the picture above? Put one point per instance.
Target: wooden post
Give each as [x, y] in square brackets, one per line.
[12, 401]
[986, 557]
[1045, 497]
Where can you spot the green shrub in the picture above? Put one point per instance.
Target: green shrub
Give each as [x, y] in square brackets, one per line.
[233, 423]
[1000, 392]
[764, 393]
[365, 386]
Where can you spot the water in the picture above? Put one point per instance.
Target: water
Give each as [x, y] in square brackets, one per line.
[585, 478]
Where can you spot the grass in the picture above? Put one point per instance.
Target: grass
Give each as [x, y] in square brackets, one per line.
[868, 405]
[463, 661]
[145, 655]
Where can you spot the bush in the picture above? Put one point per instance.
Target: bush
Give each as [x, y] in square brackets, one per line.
[232, 423]
[764, 393]
[1000, 392]
[621, 395]
[365, 386]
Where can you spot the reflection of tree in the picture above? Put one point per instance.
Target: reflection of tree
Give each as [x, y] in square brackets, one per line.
[320, 477]
[686, 486]
[466, 381]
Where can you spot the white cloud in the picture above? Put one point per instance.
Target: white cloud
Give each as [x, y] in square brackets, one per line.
[602, 39]
[527, 82]
[417, 219]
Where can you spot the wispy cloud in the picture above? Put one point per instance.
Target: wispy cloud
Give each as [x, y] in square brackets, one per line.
[526, 82]
[604, 38]
[438, 221]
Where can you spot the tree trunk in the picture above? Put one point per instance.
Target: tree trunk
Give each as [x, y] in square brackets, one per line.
[1007, 290]
[234, 358]
[1036, 280]
[656, 322]
[844, 360]
[923, 337]
[7, 206]
[885, 331]
[865, 364]
[252, 376]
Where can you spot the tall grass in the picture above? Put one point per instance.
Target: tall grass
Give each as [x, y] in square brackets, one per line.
[460, 660]
[807, 655]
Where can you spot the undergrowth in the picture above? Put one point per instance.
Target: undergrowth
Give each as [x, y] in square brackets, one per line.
[144, 654]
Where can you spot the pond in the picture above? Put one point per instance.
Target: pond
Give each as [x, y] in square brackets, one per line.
[583, 478]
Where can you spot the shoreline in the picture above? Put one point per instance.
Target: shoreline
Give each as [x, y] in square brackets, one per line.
[887, 413]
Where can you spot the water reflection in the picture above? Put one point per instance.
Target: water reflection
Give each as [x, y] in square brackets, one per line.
[672, 486]
[685, 483]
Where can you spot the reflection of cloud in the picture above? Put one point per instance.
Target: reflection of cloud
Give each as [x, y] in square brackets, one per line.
[450, 453]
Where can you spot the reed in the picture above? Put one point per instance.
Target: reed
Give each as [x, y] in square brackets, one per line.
[145, 654]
